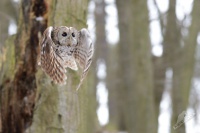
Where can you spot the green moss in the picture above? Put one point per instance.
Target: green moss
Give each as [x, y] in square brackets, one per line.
[8, 64]
[46, 108]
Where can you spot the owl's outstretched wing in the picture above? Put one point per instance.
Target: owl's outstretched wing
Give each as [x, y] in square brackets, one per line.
[83, 52]
[50, 62]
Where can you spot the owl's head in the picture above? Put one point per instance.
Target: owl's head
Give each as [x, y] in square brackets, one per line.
[65, 36]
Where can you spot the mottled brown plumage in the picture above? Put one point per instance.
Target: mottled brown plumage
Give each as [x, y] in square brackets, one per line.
[63, 47]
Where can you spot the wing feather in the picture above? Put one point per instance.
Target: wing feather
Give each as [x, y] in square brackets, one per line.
[51, 63]
[83, 53]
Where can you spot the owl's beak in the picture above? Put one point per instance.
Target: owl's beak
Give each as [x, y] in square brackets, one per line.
[69, 44]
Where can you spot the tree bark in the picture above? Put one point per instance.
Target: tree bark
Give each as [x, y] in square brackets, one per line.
[30, 101]
[183, 72]
[136, 71]
[19, 91]
[141, 104]
[124, 65]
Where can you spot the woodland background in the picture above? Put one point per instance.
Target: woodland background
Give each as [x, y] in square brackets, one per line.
[140, 83]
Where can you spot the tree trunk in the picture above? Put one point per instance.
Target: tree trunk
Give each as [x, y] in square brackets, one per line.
[30, 101]
[141, 104]
[183, 72]
[19, 88]
[124, 73]
[136, 85]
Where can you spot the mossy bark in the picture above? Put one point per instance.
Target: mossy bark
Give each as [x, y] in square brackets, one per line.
[18, 84]
[30, 101]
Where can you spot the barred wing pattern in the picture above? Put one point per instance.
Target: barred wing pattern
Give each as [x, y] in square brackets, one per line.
[63, 47]
[83, 53]
[51, 63]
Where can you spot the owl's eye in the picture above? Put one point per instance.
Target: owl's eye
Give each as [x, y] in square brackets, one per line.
[73, 34]
[64, 34]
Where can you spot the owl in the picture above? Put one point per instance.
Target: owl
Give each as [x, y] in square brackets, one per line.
[64, 47]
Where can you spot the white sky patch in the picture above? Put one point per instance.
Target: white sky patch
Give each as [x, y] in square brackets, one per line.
[112, 31]
[169, 73]
[157, 50]
[39, 18]
[155, 29]
[102, 97]
[12, 29]
[101, 71]
[163, 5]
[91, 19]
[164, 118]
[165, 115]
[102, 113]
[183, 8]
[155, 33]
[153, 14]
[187, 21]
[191, 125]
[16, 1]
[110, 1]
[102, 94]
[197, 85]
[156, 38]
[198, 38]
[194, 124]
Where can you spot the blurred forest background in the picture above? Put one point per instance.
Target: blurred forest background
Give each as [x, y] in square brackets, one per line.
[145, 75]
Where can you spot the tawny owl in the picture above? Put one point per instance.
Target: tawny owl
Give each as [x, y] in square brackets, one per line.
[63, 47]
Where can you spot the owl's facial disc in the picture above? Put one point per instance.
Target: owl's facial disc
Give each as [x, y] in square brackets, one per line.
[74, 35]
[63, 35]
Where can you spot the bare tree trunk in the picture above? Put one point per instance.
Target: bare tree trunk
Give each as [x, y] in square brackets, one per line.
[172, 50]
[182, 82]
[124, 73]
[136, 85]
[113, 82]
[142, 107]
